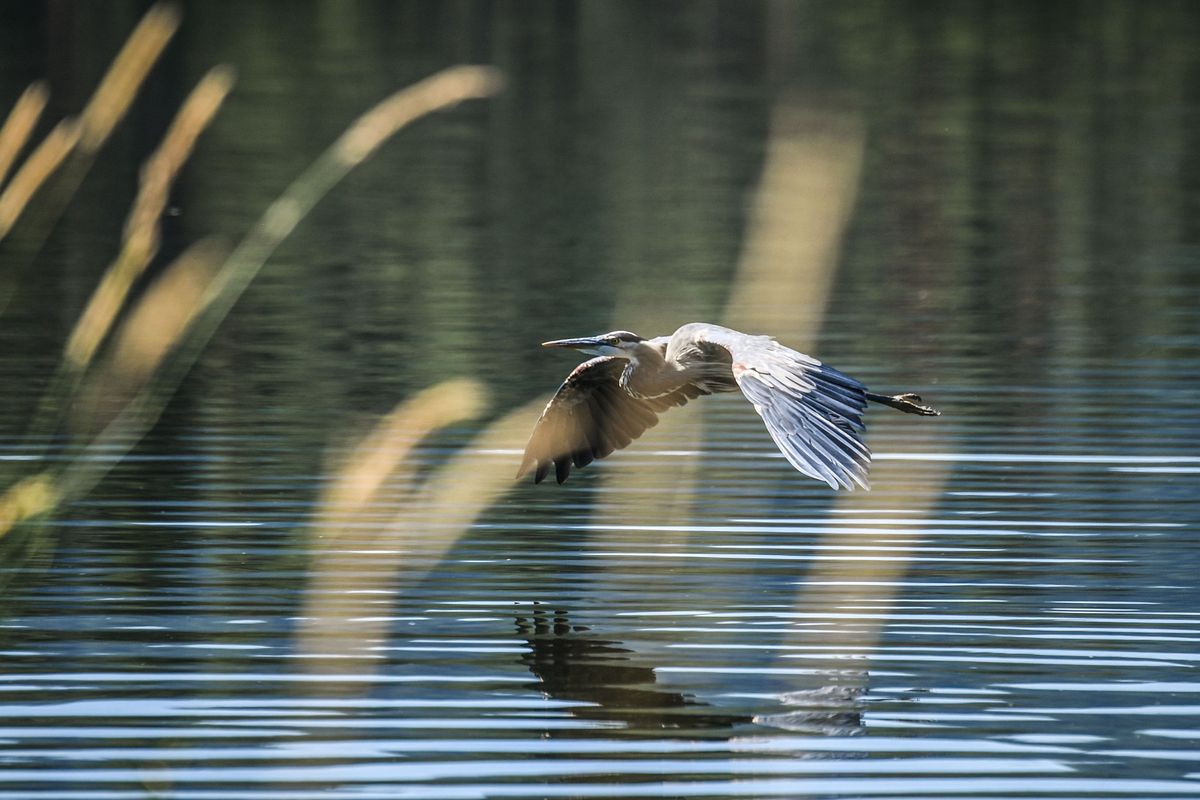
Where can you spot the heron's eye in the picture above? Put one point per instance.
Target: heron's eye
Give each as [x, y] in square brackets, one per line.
[614, 341]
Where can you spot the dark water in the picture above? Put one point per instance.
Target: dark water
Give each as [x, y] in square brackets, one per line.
[1012, 611]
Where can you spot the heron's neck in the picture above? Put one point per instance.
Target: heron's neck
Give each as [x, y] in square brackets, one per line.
[648, 374]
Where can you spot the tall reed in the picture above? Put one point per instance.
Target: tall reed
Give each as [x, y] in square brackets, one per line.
[122, 361]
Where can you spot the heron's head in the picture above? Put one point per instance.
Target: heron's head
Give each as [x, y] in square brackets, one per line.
[622, 344]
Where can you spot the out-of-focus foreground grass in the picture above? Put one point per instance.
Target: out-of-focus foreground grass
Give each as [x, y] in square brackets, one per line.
[124, 358]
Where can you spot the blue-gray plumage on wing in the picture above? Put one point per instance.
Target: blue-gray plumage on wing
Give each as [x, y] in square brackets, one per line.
[812, 411]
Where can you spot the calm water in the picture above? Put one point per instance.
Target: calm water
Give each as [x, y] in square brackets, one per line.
[1011, 612]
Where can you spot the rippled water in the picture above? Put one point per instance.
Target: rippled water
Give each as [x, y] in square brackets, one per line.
[1011, 612]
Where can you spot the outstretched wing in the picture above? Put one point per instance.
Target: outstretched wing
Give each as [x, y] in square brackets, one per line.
[589, 417]
[812, 411]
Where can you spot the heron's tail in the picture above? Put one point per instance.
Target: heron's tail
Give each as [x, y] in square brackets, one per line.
[908, 403]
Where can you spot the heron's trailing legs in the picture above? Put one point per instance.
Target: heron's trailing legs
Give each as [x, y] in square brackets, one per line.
[908, 403]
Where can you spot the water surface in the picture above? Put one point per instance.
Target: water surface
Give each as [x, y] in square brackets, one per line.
[1010, 612]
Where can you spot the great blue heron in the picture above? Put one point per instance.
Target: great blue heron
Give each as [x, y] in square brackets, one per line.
[812, 411]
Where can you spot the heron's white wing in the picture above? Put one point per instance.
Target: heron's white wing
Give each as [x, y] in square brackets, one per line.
[589, 417]
[812, 411]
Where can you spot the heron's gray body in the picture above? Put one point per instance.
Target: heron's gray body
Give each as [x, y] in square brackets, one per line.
[812, 411]
[691, 355]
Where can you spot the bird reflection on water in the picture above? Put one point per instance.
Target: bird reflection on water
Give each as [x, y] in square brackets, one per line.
[572, 663]
[812, 411]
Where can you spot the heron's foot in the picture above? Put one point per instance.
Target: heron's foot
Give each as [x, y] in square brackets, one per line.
[911, 404]
[908, 403]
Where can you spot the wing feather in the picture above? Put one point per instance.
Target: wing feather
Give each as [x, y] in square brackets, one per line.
[812, 411]
[590, 417]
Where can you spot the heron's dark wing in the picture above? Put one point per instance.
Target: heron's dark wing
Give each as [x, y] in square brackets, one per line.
[589, 417]
[812, 411]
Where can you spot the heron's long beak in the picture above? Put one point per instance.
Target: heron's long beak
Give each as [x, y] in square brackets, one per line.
[575, 344]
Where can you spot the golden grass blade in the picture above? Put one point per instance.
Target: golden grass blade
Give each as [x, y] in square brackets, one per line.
[83, 138]
[917, 488]
[153, 329]
[163, 166]
[350, 516]
[386, 450]
[27, 499]
[19, 124]
[129, 69]
[435, 93]
[346, 608]
[447, 88]
[164, 312]
[142, 228]
[801, 209]
[40, 165]
[472, 480]
[440, 91]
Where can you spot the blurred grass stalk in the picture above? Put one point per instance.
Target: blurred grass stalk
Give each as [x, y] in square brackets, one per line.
[85, 137]
[112, 387]
[43, 162]
[354, 517]
[438, 92]
[140, 243]
[867, 580]
[129, 69]
[783, 285]
[142, 233]
[443, 90]
[347, 608]
[19, 125]
[148, 333]
[386, 453]
[801, 210]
